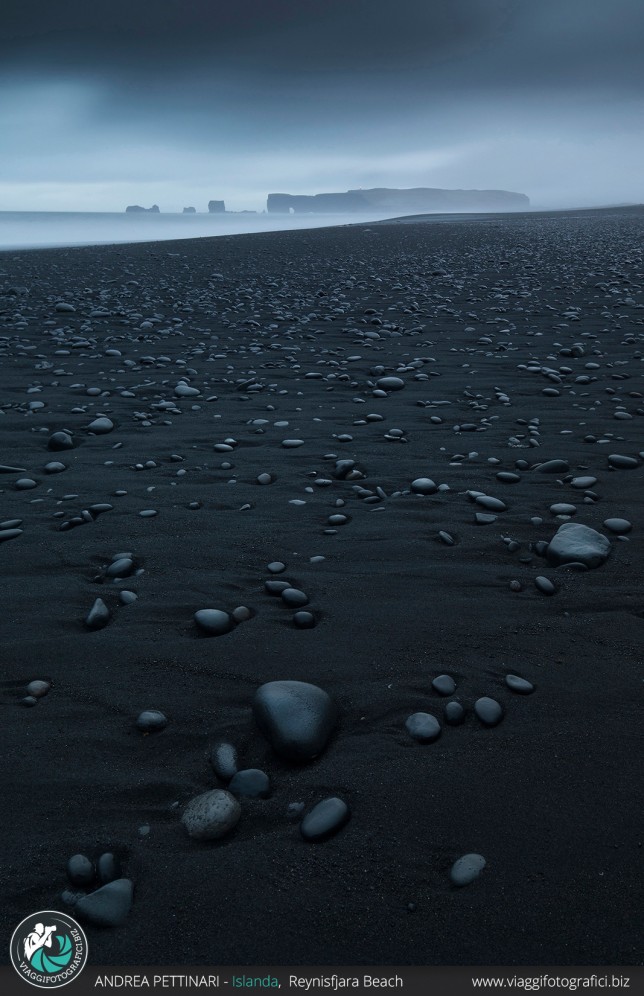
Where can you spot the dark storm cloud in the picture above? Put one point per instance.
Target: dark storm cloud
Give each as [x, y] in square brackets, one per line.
[281, 36]
[485, 42]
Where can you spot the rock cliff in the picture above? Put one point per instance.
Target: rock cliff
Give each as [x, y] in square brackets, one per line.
[413, 201]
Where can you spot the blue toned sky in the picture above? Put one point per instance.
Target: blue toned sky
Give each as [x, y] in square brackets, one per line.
[179, 101]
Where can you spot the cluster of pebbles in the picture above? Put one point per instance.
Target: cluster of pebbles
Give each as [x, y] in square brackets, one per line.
[467, 400]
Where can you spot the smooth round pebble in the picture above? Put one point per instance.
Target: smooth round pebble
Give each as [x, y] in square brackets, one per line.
[38, 688]
[545, 585]
[108, 906]
[294, 598]
[325, 819]
[423, 486]
[60, 441]
[304, 619]
[297, 718]
[151, 721]
[80, 870]
[618, 526]
[444, 684]
[454, 713]
[424, 727]
[252, 783]
[223, 758]
[108, 867]
[466, 869]
[213, 622]
[488, 710]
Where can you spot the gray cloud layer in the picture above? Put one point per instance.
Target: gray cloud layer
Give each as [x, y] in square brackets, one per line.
[175, 100]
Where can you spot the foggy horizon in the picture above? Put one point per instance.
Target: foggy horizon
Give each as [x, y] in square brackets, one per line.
[107, 107]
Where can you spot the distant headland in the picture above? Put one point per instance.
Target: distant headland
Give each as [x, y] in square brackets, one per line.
[416, 200]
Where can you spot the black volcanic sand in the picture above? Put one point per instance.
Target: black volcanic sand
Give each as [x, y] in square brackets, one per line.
[519, 340]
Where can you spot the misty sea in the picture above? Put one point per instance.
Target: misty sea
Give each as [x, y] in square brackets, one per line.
[47, 229]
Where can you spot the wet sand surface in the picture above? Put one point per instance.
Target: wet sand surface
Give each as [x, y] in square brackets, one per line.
[378, 379]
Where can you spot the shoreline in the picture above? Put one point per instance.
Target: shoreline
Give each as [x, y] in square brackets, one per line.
[240, 217]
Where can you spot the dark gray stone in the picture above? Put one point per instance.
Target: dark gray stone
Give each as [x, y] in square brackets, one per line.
[213, 622]
[151, 721]
[252, 783]
[325, 819]
[211, 815]
[80, 870]
[424, 727]
[297, 718]
[520, 685]
[488, 710]
[466, 869]
[99, 615]
[223, 758]
[576, 543]
[108, 906]
[444, 684]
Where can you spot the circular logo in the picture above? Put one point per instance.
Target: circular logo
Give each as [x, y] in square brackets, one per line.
[48, 949]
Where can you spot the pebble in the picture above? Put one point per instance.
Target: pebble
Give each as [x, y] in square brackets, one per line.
[9, 534]
[108, 867]
[241, 614]
[101, 426]
[252, 783]
[80, 870]
[423, 486]
[151, 721]
[38, 688]
[99, 615]
[576, 543]
[213, 622]
[454, 713]
[424, 727]
[294, 598]
[297, 718]
[211, 815]
[304, 620]
[466, 869]
[554, 467]
[325, 819]
[488, 710]
[223, 758]
[545, 585]
[108, 906]
[444, 684]
[60, 441]
[390, 383]
[621, 462]
[618, 526]
[120, 568]
[520, 685]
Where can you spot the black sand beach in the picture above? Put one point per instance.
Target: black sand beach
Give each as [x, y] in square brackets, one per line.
[518, 340]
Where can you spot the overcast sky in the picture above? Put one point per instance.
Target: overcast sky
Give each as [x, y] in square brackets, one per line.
[178, 101]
